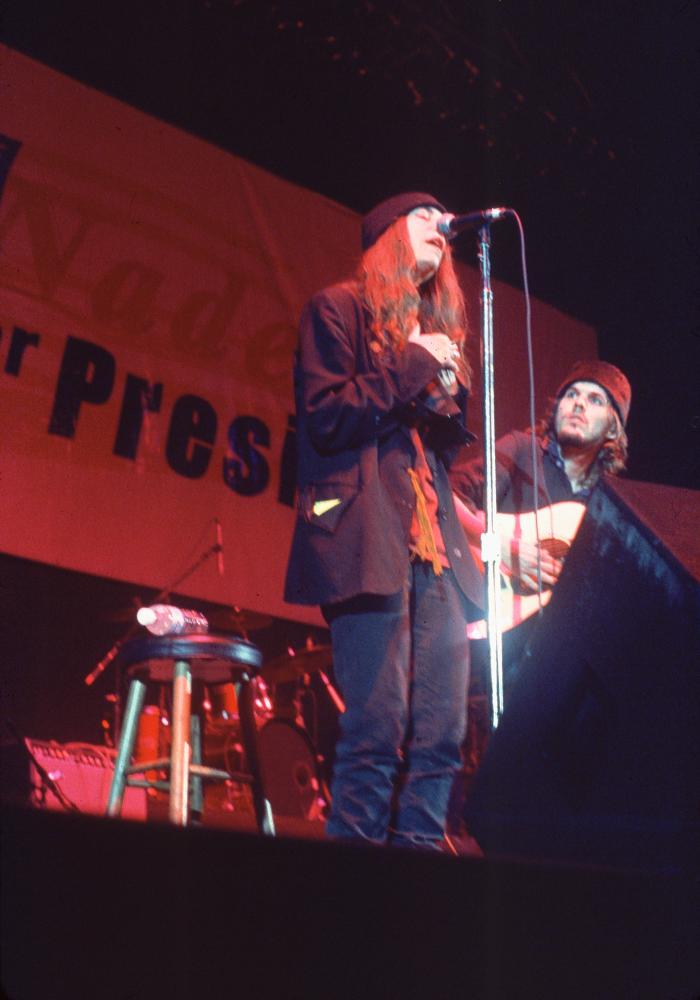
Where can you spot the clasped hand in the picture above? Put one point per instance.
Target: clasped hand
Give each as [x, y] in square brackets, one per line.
[443, 350]
[439, 345]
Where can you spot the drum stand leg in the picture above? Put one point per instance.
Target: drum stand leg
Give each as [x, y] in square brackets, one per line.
[332, 692]
[263, 810]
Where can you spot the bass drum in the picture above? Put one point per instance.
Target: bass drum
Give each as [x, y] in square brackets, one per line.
[290, 771]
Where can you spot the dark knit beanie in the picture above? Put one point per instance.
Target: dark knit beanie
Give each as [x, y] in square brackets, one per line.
[382, 215]
[608, 377]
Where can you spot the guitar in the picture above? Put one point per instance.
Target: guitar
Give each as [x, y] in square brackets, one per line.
[557, 526]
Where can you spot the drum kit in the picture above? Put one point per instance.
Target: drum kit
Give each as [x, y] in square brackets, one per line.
[293, 769]
[291, 765]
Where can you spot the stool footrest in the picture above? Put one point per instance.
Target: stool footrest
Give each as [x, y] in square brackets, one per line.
[239, 778]
[149, 765]
[198, 770]
[160, 786]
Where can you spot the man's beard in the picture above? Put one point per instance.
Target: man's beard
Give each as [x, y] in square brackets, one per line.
[571, 438]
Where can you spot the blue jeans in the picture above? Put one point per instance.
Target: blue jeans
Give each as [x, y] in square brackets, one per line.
[402, 664]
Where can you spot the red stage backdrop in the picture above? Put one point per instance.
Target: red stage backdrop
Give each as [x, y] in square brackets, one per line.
[150, 288]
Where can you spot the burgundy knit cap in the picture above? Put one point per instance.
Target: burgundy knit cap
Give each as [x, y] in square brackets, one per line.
[382, 215]
[608, 377]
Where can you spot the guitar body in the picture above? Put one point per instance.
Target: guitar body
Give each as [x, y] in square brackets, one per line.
[557, 526]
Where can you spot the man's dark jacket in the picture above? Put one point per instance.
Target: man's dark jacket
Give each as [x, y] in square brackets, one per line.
[515, 493]
[355, 408]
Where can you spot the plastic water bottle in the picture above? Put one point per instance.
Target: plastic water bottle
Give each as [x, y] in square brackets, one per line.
[166, 619]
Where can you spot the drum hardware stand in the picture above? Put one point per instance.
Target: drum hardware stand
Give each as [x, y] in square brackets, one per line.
[332, 692]
[323, 800]
[329, 687]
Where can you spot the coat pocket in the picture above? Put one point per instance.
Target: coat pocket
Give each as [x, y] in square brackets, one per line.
[323, 504]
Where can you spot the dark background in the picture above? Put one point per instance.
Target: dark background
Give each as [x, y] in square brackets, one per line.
[579, 115]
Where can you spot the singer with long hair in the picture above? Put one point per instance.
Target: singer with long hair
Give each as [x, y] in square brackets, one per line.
[381, 387]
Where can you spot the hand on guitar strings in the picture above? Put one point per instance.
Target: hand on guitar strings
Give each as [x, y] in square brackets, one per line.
[519, 558]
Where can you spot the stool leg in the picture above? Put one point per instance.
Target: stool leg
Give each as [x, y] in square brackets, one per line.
[134, 706]
[263, 811]
[196, 793]
[180, 749]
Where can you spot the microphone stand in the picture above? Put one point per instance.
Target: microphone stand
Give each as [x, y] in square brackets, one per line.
[490, 541]
[112, 653]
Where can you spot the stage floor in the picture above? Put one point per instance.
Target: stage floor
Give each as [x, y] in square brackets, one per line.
[101, 909]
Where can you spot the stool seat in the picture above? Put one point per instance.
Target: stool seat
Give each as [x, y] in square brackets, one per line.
[182, 660]
[212, 658]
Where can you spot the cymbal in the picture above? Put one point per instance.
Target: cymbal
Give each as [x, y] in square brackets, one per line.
[237, 620]
[294, 664]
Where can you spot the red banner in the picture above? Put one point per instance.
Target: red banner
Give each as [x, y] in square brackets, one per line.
[150, 288]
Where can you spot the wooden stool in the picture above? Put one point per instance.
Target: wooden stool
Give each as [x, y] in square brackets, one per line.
[180, 659]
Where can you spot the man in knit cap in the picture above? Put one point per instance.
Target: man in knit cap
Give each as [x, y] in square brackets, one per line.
[381, 386]
[581, 437]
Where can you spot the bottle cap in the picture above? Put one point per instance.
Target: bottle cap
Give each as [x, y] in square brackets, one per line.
[146, 616]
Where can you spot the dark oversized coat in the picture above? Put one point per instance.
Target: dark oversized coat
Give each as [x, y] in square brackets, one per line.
[355, 504]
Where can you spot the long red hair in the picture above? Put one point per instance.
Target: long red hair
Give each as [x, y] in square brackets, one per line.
[396, 303]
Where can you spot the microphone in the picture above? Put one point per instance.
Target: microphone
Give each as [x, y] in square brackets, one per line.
[219, 546]
[451, 225]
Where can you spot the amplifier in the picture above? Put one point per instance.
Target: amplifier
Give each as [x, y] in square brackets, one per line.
[83, 773]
